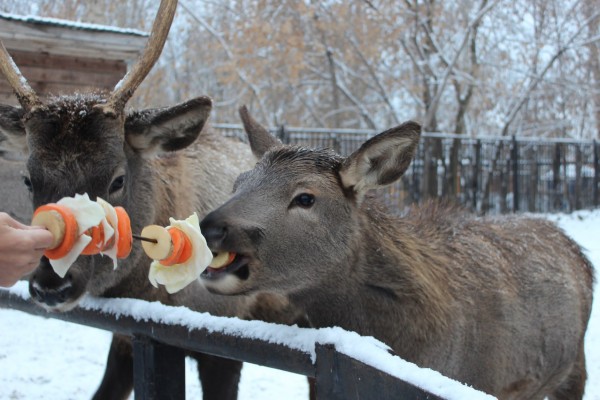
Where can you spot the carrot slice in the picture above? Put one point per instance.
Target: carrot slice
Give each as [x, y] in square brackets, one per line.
[97, 242]
[70, 233]
[125, 241]
[231, 258]
[182, 248]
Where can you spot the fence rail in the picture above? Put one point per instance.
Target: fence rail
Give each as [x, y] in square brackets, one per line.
[159, 346]
[486, 174]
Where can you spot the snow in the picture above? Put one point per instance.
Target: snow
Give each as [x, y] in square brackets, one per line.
[50, 359]
[71, 24]
[365, 349]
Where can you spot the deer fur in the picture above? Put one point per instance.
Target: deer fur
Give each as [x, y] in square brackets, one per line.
[168, 166]
[499, 303]
[140, 160]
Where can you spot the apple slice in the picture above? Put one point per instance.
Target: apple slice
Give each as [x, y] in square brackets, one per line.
[221, 260]
[53, 222]
[163, 246]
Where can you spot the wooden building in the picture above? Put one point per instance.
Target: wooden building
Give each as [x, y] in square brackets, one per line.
[59, 57]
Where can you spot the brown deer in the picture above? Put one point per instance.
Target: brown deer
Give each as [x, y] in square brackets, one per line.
[501, 304]
[156, 163]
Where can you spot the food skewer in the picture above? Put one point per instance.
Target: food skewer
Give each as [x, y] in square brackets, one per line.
[144, 239]
[84, 227]
[60, 221]
[169, 246]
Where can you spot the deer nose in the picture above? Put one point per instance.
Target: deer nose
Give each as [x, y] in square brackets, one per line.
[214, 230]
[45, 287]
[51, 296]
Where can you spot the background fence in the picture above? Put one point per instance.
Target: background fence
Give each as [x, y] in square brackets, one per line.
[487, 175]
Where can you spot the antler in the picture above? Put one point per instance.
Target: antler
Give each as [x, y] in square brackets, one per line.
[158, 36]
[23, 91]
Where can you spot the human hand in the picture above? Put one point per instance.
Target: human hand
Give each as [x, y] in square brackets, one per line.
[21, 247]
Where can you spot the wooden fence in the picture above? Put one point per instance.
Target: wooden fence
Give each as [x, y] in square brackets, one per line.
[487, 175]
[160, 343]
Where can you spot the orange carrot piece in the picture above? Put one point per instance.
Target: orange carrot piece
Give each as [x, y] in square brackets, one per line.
[231, 258]
[97, 242]
[125, 241]
[182, 248]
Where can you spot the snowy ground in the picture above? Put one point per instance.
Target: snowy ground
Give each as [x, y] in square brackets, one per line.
[49, 359]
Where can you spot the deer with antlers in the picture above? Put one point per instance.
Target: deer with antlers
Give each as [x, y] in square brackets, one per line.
[156, 163]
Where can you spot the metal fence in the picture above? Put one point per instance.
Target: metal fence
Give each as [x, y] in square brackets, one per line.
[159, 349]
[486, 175]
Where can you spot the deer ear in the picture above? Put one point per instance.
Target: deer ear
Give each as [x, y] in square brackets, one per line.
[259, 137]
[381, 160]
[13, 140]
[174, 128]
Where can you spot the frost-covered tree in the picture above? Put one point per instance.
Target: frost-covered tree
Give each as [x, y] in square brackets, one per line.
[476, 67]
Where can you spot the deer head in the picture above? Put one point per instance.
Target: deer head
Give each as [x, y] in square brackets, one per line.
[90, 144]
[296, 218]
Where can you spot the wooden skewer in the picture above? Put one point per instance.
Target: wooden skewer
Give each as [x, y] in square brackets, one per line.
[144, 239]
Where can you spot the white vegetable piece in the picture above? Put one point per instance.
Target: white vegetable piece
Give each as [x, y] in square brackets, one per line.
[178, 276]
[108, 223]
[88, 214]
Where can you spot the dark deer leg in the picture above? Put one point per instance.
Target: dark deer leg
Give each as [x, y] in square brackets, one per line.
[572, 388]
[219, 376]
[117, 382]
[270, 307]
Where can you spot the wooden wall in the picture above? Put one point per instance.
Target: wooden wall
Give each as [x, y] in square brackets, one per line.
[58, 74]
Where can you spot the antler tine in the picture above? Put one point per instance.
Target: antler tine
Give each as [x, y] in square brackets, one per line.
[25, 94]
[158, 36]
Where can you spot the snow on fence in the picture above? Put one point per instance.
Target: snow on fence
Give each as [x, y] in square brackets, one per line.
[345, 365]
[485, 174]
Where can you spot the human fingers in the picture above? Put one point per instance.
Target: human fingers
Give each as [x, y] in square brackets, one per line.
[41, 238]
[6, 219]
[27, 240]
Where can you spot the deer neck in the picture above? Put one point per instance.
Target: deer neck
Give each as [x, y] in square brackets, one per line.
[387, 281]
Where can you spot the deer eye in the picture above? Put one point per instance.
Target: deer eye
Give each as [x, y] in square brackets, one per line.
[304, 200]
[28, 183]
[117, 184]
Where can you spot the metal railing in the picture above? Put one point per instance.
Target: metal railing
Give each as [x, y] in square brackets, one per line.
[161, 335]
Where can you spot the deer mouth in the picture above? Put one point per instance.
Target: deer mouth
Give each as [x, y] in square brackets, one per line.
[226, 263]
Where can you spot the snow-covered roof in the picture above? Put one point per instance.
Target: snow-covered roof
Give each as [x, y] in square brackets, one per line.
[69, 38]
[32, 19]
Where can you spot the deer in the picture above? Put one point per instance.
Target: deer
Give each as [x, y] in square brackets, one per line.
[156, 163]
[500, 303]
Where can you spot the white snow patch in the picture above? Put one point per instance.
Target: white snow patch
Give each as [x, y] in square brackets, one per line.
[71, 24]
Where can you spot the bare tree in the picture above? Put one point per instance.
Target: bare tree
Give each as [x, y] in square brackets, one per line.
[478, 67]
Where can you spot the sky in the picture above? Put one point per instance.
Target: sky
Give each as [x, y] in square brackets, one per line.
[49, 359]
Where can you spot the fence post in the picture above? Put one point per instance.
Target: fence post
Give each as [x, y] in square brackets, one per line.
[515, 171]
[475, 182]
[578, 168]
[336, 143]
[159, 370]
[596, 172]
[283, 135]
[556, 161]
[339, 377]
